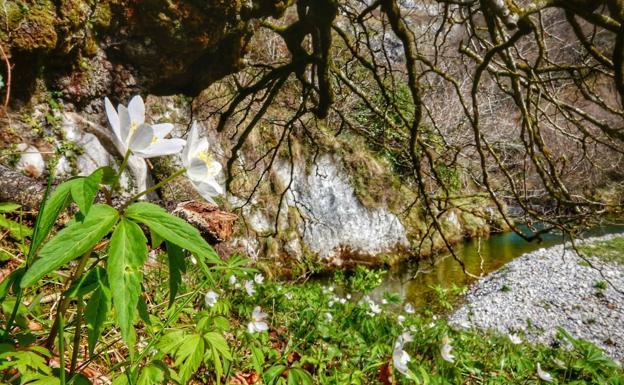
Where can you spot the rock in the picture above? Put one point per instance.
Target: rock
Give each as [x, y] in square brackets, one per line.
[215, 226]
[31, 161]
[19, 188]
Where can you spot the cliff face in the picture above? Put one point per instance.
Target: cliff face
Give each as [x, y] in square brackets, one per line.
[86, 49]
[336, 202]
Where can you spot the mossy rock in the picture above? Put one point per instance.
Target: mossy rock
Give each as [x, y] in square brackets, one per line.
[31, 28]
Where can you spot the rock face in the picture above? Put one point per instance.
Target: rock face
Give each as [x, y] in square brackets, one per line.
[335, 225]
[121, 46]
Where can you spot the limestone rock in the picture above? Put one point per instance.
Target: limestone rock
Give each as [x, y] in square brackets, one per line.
[31, 161]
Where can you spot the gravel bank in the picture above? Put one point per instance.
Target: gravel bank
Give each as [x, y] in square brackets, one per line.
[539, 291]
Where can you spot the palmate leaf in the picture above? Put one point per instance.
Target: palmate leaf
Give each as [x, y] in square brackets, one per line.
[173, 229]
[72, 241]
[83, 190]
[97, 309]
[189, 356]
[126, 255]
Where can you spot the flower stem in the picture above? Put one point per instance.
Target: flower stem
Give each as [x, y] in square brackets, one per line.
[124, 163]
[153, 188]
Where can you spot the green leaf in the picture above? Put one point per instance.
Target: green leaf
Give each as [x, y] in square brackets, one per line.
[84, 190]
[152, 374]
[8, 207]
[217, 341]
[273, 374]
[257, 359]
[173, 229]
[97, 310]
[298, 376]
[87, 283]
[108, 175]
[189, 356]
[9, 281]
[71, 242]
[57, 202]
[126, 255]
[143, 313]
[177, 266]
[17, 230]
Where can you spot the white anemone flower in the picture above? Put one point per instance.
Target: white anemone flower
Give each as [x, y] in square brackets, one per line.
[515, 339]
[249, 287]
[201, 168]
[374, 308]
[232, 279]
[400, 319]
[144, 140]
[409, 308]
[211, 298]
[543, 375]
[259, 278]
[257, 323]
[329, 317]
[445, 352]
[400, 358]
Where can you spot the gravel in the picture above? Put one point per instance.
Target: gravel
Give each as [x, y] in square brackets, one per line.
[546, 289]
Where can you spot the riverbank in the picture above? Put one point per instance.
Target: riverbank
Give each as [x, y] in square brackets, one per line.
[550, 288]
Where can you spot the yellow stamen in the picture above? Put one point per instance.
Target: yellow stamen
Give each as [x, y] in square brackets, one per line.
[207, 158]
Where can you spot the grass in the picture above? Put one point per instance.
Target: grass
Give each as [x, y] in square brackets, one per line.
[610, 251]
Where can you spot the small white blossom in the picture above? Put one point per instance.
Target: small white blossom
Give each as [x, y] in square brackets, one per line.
[348, 296]
[384, 301]
[249, 287]
[288, 295]
[543, 375]
[232, 279]
[409, 308]
[400, 358]
[257, 323]
[374, 308]
[329, 317]
[330, 303]
[201, 168]
[515, 339]
[401, 319]
[445, 352]
[342, 301]
[259, 278]
[144, 140]
[211, 298]
[237, 286]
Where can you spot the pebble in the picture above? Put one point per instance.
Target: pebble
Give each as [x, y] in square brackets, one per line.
[551, 288]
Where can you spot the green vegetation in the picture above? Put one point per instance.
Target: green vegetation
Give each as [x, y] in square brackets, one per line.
[611, 250]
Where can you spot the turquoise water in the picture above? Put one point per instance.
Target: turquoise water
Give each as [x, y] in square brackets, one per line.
[414, 280]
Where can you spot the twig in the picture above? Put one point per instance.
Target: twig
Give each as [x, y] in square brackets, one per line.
[9, 67]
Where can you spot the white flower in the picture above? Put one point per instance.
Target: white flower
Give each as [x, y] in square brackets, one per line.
[544, 376]
[257, 323]
[401, 319]
[374, 308]
[515, 339]
[193, 260]
[409, 308]
[211, 298]
[329, 317]
[342, 300]
[288, 295]
[384, 301]
[400, 358]
[232, 279]
[445, 352]
[31, 161]
[201, 168]
[330, 303]
[348, 296]
[142, 139]
[249, 287]
[237, 286]
[259, 278]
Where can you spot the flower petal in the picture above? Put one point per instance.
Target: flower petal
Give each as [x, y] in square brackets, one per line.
[191, 143]
[124, 124]
[113, 118]
[162, 129]
[136, 108]
[162, 147]
[197, 169]
[141, 138]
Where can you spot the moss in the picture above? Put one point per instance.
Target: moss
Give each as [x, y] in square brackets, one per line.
[33, 28]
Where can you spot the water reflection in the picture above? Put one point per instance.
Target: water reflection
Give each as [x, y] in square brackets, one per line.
[414, 280]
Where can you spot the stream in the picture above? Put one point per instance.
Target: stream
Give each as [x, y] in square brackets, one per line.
[415, 281]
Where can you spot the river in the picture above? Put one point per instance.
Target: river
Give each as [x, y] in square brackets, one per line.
[415, 281]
